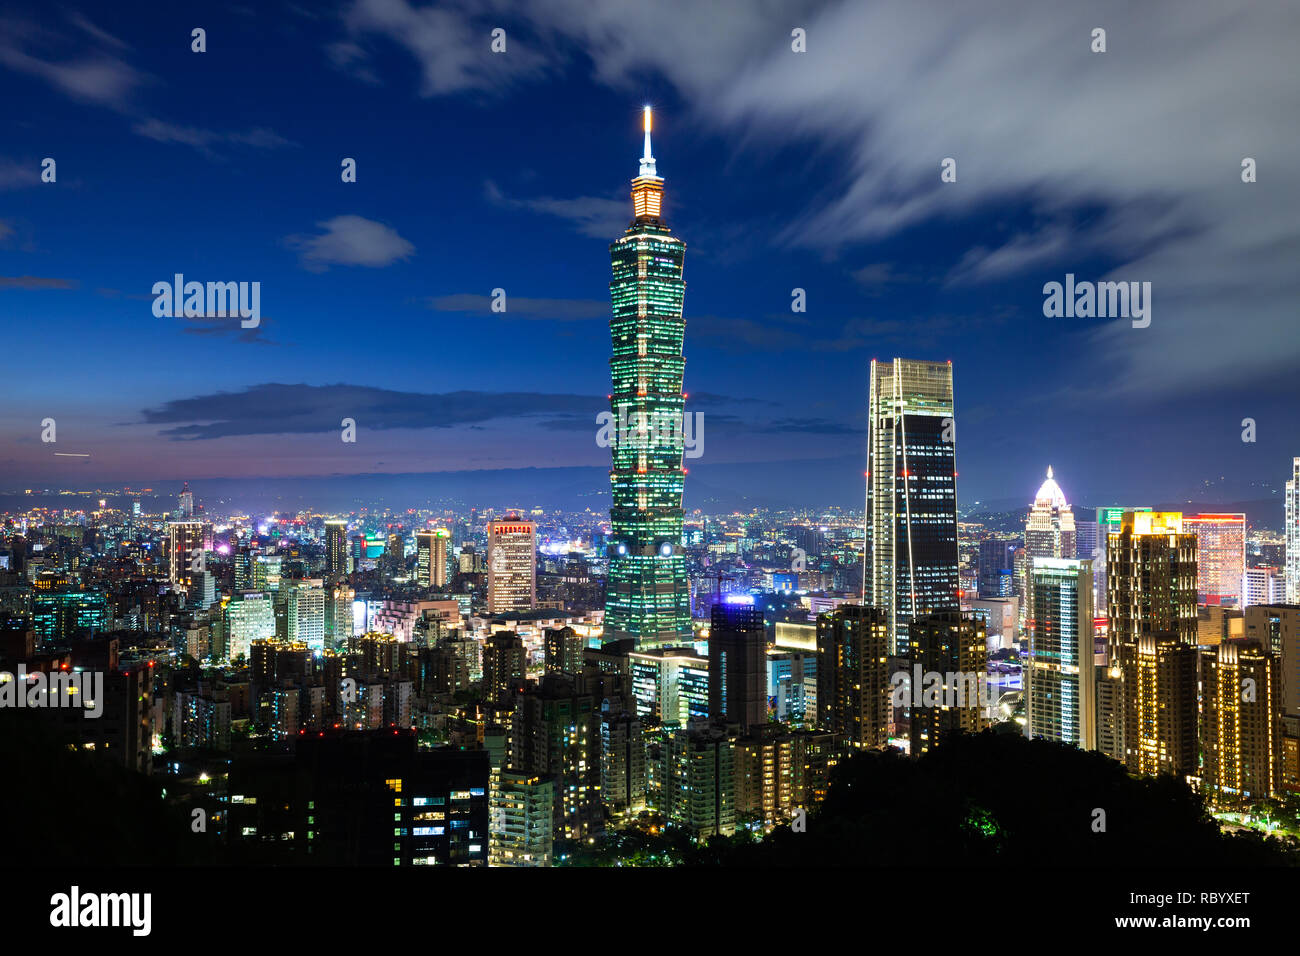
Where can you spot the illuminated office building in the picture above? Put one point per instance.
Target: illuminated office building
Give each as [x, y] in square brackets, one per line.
[306, 610]
[512, 565]
[1241, 726]
[62, 613]
[697, 765]
[431, 557]
[647, 596]
[1220, 556]
[1049, 533]
[187, 502]
[250, 616]
[1263, 586]
[670, 684]
[1049, 530]
[266, 572]
[911, 493]
[1059, 673]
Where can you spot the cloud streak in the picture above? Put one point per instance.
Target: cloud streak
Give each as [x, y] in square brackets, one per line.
[280, 409]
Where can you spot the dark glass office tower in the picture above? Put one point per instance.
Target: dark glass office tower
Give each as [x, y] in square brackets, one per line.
[647, 595]
[738, 665]
[911, 493]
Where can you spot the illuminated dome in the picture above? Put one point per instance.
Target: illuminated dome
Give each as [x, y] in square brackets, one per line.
[1049, 493]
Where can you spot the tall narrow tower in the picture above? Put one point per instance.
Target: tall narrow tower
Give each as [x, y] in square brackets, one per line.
[1291, 513]
[911, 493]
[647, 596]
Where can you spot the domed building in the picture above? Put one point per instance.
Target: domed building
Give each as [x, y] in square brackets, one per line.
[1049, 532]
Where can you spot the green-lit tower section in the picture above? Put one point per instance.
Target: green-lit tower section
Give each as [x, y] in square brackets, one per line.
[647, 596]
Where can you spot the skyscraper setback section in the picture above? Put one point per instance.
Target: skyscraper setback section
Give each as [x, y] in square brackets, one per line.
[911, 493]
[647, 595]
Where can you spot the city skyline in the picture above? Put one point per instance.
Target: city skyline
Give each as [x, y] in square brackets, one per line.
[380, 489]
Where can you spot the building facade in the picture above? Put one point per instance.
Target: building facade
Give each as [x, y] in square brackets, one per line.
[912, 557]
[647, 596]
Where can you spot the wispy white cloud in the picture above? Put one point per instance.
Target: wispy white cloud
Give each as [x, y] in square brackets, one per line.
[592, 216]
[351, 241]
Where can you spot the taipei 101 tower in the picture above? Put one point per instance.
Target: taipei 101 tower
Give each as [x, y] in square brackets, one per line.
[647, 596]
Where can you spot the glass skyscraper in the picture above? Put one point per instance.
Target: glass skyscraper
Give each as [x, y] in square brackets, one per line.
[1059, 675]
[647, 594]
[911, 493]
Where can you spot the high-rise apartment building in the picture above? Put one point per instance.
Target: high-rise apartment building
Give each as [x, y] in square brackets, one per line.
[1277, 627]
[522, 813]
[1158, 677]
[564, 647]
[1059, 673]
[698, 769]
[512, 565]
[1220, 556]
[336, 550]
[185, 554]
[853, 651]
[949, 648]
[431, 557]
[624, 780]
[1241, 723]
[1108, 522]
[647, 596]
[911, 493]
[1151, 578]
[555, 733]
[1152, 633]
[505, 663]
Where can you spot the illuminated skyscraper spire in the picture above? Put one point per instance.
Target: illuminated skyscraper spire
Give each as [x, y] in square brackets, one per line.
[647, 596]
[647, 158]
[648, 187]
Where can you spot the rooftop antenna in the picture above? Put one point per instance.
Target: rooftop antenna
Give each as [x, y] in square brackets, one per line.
[647, 158]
